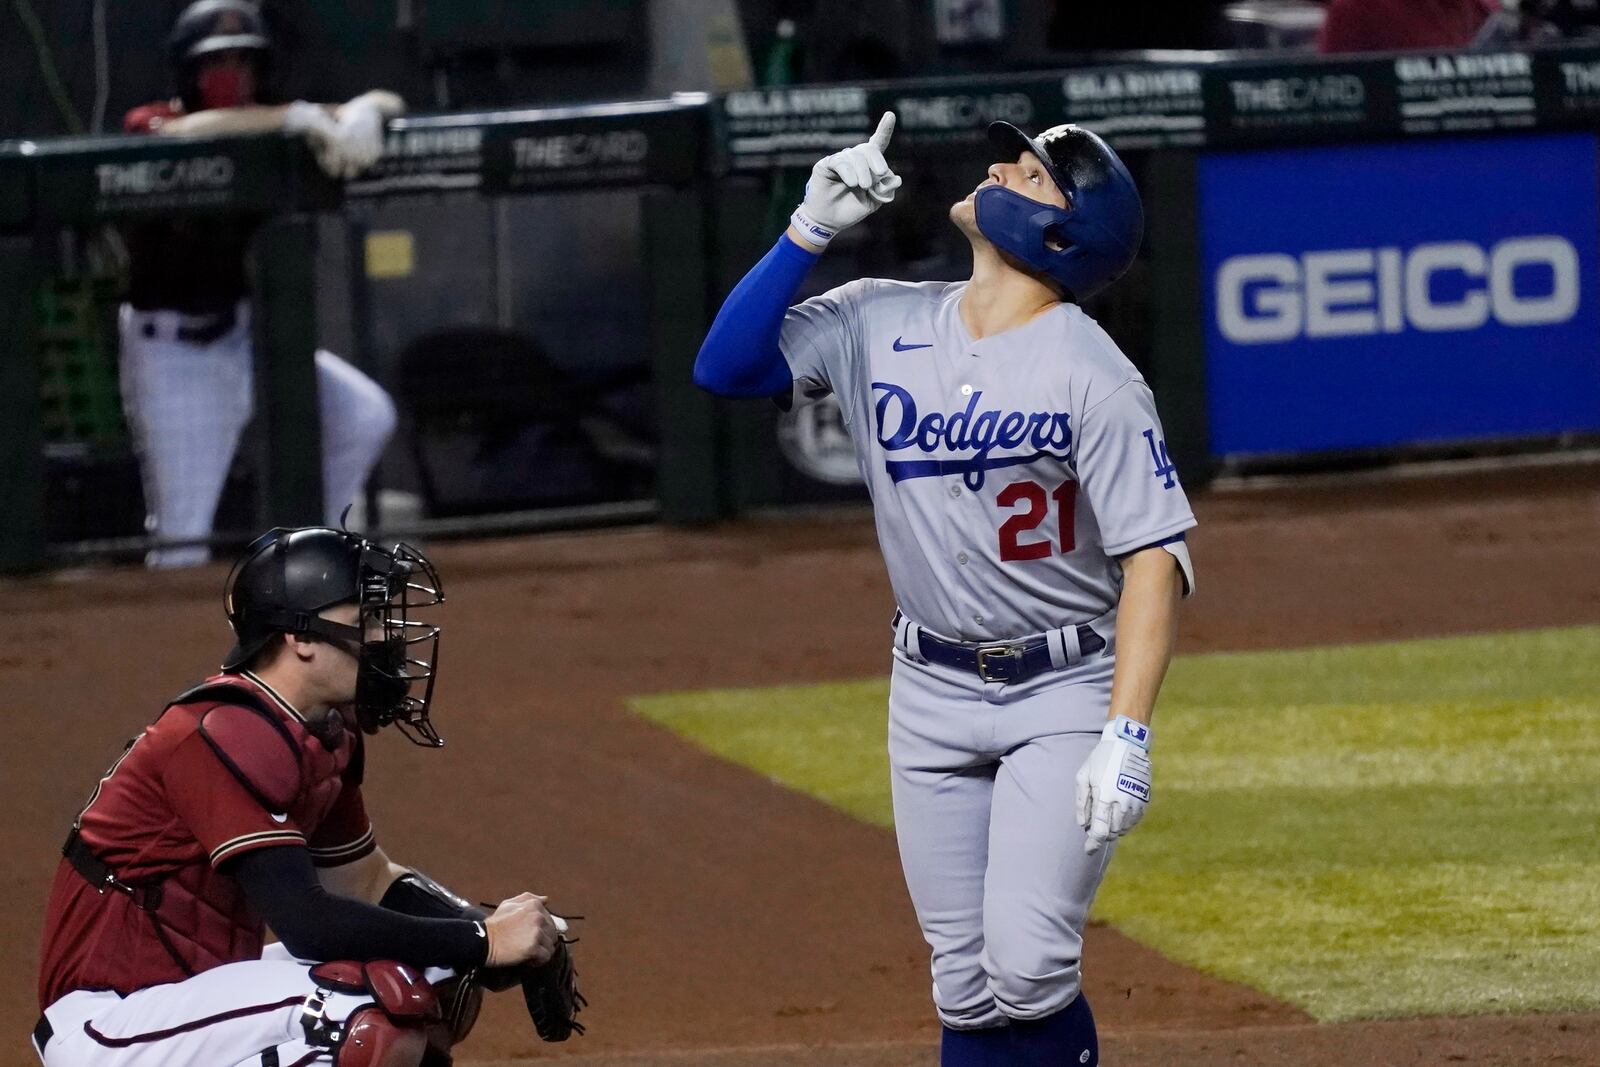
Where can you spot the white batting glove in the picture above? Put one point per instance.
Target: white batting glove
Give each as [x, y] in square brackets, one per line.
[361, 131]
[321, 131]
[846, 187]
[1114, 783]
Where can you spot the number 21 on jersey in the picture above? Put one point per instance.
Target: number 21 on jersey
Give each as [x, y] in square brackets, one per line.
[1036, 500]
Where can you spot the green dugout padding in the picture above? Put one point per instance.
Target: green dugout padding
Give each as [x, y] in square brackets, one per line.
[675, 232]
[286, 371]
[21, 456]
[21, 453]
[1177, 369]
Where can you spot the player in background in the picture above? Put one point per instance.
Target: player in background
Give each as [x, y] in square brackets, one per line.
[240, 806]
[1033, 529]
[186, 363]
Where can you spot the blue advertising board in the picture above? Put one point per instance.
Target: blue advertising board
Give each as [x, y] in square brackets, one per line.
[1401, 294]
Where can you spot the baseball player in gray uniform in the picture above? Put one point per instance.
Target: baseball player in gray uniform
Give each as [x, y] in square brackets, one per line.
[1033, 529]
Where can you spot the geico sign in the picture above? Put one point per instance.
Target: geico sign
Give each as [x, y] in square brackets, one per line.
[1274, 297]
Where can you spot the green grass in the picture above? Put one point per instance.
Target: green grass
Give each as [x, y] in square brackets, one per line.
[1366, 831]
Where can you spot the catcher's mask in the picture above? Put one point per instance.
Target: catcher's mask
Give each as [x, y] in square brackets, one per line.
[287, 576]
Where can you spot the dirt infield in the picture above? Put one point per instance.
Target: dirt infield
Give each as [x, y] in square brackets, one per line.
[729, 921]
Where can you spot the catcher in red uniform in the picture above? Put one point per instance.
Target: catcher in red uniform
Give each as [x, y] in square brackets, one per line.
[240, 808]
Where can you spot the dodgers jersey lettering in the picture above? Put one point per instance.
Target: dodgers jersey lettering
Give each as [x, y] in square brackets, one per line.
[1007, 473]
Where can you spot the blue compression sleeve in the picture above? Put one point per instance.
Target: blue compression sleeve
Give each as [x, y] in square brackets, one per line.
[740, 355]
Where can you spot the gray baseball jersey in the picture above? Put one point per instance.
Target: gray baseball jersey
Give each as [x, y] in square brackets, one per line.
[1006, 474]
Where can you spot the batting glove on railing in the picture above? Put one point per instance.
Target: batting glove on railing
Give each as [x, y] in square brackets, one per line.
[361, 130]
[321, 131]
[1113, 786]
[846, 187]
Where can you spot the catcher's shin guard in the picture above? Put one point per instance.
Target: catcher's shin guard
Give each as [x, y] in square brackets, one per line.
[372, 1039]
[400, 1028]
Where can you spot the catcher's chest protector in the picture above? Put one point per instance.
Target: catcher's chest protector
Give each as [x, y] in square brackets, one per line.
[287, 767]
[304, 786]
[203, 917]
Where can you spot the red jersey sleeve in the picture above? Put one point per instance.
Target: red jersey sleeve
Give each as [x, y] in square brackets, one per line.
[224, 817]
[345, 833]
[148, 118]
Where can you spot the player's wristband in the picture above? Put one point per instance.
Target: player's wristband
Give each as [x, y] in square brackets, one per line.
[1133, 731]
[488, 942]
[810, 229]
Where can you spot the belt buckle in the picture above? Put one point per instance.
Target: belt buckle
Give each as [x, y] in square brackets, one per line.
[997, 652]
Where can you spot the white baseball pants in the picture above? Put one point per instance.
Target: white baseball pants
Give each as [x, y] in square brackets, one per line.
[186, 405]
[229, 1016]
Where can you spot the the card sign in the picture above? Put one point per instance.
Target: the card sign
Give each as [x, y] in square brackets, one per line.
[952, 118]
[84, 181]
[1568, 86]
[663, 146]
[1316, 101]
[526, 151]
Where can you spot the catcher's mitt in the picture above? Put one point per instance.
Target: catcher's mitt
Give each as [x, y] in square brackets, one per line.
[549, 989]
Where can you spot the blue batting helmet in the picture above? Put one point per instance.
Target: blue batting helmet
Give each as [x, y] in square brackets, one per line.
[1085, 246]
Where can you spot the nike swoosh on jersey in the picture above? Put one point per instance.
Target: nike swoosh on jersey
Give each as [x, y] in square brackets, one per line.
[278, 818]
[900, 346]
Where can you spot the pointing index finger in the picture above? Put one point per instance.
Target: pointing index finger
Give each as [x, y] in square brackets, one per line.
[880, 136]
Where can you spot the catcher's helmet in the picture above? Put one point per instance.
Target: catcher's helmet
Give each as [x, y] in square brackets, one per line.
[209, 26]
[288, 576]
[1092, 241]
